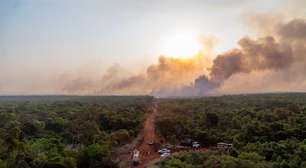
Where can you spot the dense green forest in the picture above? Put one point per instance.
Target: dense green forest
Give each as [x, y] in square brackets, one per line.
[266, 130]
[67, 131]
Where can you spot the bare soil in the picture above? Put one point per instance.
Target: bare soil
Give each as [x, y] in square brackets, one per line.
[148, 152]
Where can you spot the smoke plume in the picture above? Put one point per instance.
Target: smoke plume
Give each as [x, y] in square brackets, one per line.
[269, 64]
[252, 55]
[168, 74]
[274, 61]
[263, 64]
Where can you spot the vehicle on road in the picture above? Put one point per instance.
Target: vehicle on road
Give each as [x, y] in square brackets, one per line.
[136, 159]
[165, 155]
[164, 150]
[196, 144]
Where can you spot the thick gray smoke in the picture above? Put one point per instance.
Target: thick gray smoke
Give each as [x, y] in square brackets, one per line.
[271, 58]
[252, 55]
[272, 62]
[293, 30]
[169, 74]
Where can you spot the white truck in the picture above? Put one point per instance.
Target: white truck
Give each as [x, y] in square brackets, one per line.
[136, 159]
[196, 144]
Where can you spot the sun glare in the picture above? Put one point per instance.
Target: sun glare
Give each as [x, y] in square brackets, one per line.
[182, 45]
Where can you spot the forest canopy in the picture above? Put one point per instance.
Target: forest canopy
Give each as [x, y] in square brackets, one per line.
[266, 130]
[67, 131]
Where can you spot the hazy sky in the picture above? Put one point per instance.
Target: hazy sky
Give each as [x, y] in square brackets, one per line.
[41, 39]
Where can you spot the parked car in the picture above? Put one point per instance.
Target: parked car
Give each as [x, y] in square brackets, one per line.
[196, 144]
[164, 150]
[165, 155]
[224, 146]
[136, 159]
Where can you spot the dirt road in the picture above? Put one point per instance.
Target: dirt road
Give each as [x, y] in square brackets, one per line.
[147, 151]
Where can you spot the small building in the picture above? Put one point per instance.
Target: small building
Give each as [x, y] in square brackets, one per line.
[224, 146]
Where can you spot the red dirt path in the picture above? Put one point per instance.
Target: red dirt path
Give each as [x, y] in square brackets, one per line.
[147, 152]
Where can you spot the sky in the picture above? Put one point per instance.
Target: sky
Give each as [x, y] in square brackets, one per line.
[41, 40]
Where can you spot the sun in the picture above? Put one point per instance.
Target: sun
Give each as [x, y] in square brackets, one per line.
[183, 45]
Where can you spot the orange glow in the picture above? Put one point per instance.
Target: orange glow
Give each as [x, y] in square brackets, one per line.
[182, 45]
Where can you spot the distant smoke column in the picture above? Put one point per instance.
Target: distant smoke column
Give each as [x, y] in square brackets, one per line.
[252, 55]
[225, 65]
[203, 86]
